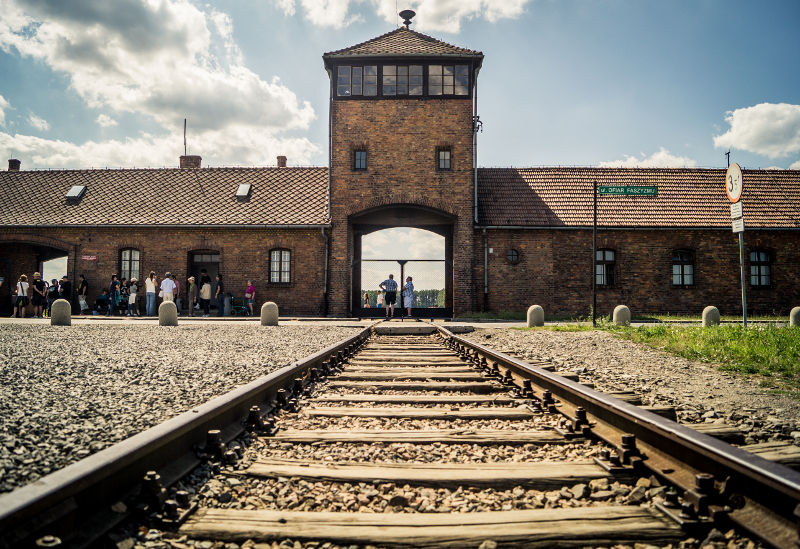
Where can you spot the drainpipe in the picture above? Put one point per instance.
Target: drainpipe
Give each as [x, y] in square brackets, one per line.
[475, 144]
[485, 271]
[325, 283]
[330, 144]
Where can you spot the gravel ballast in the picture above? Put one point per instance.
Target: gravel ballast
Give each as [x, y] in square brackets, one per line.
[68, 392]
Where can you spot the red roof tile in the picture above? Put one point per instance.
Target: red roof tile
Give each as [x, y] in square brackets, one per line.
[562, 197]
[279, 196]
[401, 42]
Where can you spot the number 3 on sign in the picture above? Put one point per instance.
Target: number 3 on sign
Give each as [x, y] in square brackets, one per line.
[733, 183]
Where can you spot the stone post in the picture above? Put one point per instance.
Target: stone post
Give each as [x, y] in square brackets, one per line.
[535, 316]
[710, 316]
[794, 317]
[168, 314]
[622, 316]
[269, 314]
[61, 313]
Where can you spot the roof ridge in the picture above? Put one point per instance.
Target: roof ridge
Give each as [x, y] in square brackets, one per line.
[354, 50]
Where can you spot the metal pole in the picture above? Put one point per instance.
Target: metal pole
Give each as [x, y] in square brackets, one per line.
[400, 286]
[594, 258]
[744, 288]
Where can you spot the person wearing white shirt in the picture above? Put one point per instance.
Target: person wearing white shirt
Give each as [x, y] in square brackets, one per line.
[168, 287]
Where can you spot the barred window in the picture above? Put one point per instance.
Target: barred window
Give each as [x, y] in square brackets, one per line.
[357, 81]
[760, 268]
[280, 266]
[606, 268]
[682, 268]
[129, 263]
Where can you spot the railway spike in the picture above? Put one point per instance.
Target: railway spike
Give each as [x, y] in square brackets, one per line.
[702, 494]
[171, 511]
[508, 379]
[48, 541]
[687, 511]
[182, 498]
[254, 421]
[547, 398]
[153, 494]
[313, 373]
[231, 458]
[280, 398]
[627, 448]
[297, 389]
[527, 388]
[215, 448]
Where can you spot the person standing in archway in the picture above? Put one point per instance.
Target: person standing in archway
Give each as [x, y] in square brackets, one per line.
[408, 295]
[37, 296]
[389, 286]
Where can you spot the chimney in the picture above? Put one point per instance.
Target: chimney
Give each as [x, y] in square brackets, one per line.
[190, 162]
[281, 161]
[13, 165]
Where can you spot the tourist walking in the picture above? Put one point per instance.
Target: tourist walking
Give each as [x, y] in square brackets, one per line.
[52, 295]
[205, 292]
[408, 295]
[390, 287]
[133, 292]
[113, 295]
[83, 290]
[22, 296]
[38, 294]
[150, 294]
[220, 295]
[168, 288]
[250, 296]
[192, 295]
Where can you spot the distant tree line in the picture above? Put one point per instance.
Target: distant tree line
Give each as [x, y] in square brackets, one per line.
[422, 298]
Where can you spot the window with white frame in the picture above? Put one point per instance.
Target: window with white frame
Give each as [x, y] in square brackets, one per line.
[280, 266]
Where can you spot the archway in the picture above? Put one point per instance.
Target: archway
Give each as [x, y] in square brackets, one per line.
[433, 276]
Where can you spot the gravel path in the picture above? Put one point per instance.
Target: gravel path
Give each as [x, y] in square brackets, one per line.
[700, 392]
[67, 392]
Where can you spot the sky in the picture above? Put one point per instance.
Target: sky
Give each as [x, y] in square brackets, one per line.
[93, 83]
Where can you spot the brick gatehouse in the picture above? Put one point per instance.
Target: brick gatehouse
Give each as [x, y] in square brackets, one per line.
[403, 148]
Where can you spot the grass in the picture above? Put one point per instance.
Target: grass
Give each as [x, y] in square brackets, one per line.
[698, 318]
[765, 350]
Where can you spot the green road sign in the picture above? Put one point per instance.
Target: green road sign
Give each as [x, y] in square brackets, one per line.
[619, 190]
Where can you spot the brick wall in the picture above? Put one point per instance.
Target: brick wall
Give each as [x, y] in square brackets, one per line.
[244, 254]
[555, 271]
[401, 138]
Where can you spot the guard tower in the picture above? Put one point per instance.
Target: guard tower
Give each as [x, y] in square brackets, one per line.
[402, 121]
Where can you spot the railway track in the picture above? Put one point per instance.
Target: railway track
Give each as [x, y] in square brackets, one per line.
[415, 440]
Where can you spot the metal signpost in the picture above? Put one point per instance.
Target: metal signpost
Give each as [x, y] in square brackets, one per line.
[610, 190]
[733, 187]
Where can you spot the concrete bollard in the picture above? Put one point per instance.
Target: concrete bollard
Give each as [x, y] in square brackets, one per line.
[269, 314]
[535, 316]
[710, 316]
[622, 316]
[61, 313]
[168, 314]
[794, 317]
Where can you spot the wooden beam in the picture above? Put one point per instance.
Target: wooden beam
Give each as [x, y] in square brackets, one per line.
[408, 386]
[728, 433]
[422, 413]
[409, 370]
[500, 476]
[424, 375]
[571, 527]
[499, 400]
[445, 436]
[781, 452]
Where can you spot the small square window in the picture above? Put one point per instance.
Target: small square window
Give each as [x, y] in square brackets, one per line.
[360, 160]
[443, 160]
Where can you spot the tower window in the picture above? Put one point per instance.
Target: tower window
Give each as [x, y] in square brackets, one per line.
[357, 81]
[443, 159]
[448, 80]
[402, 80]
[360, 160]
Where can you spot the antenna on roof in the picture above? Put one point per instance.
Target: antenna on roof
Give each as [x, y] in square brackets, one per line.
[728, 154]
[184, 138]
[407, 16]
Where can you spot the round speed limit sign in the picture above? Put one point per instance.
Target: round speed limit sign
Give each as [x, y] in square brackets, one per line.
[733, 183]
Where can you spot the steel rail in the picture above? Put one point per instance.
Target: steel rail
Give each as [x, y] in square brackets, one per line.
[74, 503]
[767, 493]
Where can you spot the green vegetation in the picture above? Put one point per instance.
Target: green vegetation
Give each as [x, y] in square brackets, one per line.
[765, 350]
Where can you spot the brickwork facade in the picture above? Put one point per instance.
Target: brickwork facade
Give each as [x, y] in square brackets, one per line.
[401, 138]
[243, 254]
[554, 271]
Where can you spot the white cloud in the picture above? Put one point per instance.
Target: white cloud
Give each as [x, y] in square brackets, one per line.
[38, 123]
[768, 129]
[105, 121]
[660, 159]
[216, 148]
[402, 243]
[795, 166]
[432, 15]
[165, 59]
[3, 105]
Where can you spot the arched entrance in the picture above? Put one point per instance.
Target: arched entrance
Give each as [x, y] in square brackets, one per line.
[427, 305]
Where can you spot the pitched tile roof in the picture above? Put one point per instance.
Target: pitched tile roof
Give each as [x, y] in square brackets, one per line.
[403, 41]
[687, 197]
[279, 196]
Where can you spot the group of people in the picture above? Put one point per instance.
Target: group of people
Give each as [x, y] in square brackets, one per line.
[389, 286]
[124, 297]
[40, 294]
